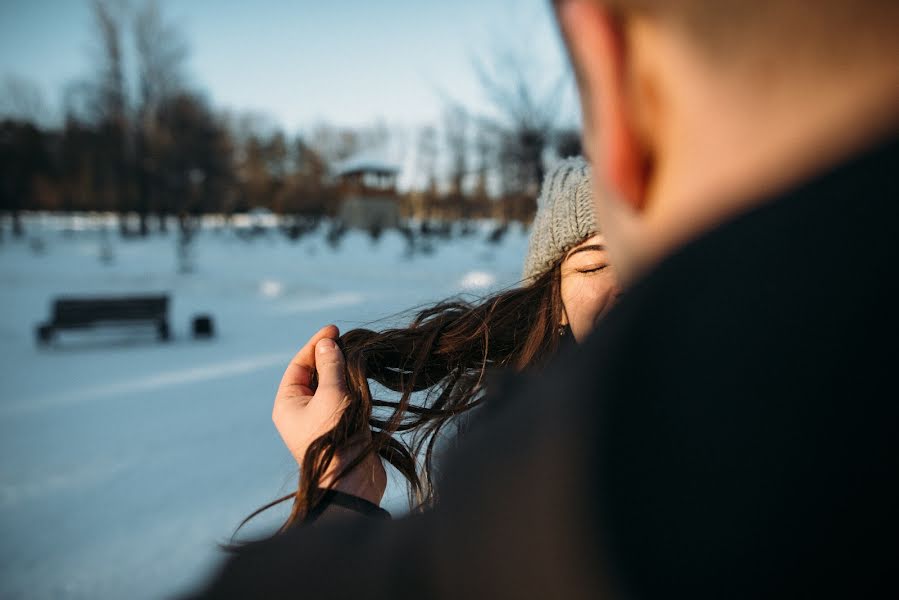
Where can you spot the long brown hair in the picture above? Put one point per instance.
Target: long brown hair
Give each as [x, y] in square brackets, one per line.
[444, 354]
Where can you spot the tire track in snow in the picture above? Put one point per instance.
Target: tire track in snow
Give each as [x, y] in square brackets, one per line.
[147, 383]
[337, 300]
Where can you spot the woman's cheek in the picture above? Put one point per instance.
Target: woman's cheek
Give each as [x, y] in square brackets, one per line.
[602, 296]
[584, 301]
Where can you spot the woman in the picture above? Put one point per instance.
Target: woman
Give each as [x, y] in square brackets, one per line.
[339, 432]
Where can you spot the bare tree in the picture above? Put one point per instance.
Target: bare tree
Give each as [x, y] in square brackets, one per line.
[22, 151]
[307, 196]
[160, 51]
[110, 98]
[195, 156]
[22, 99]
[131, 138]
[23, 157]
[527, 110]
[261, 159]
[529, 101]
[108, 106]
[455, 129]
[335, 144]
[427, 158]
[483, 150]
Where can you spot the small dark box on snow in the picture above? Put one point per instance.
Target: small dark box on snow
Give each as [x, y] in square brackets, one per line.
[203, 327]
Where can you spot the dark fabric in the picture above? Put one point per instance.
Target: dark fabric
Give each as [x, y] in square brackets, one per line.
[729, 431]
[336, 504]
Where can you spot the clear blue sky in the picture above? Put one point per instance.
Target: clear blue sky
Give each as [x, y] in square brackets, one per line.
[348, 62]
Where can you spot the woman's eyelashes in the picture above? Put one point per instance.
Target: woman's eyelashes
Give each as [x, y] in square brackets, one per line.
[592, 268]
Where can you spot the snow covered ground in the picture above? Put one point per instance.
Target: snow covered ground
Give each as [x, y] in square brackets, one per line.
[125, 461]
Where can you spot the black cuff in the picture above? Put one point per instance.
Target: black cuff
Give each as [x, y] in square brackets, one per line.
[338, 503]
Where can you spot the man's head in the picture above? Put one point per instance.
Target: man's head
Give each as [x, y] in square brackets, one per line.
[695, 110]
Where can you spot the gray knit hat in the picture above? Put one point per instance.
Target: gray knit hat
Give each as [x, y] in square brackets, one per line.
[565, 216]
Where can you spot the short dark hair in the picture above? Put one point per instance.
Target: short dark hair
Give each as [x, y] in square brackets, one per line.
[808, 29]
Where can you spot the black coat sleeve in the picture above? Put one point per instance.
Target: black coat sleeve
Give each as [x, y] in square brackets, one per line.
[337, 505]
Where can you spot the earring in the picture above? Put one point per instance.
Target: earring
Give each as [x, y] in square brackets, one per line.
[563, 330]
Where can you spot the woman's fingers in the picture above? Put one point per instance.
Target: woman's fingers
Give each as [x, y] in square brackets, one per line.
[300, 413]
[298, 375]
[306, 355]
[331, 373]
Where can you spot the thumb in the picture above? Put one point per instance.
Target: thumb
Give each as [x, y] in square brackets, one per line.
[330, 365]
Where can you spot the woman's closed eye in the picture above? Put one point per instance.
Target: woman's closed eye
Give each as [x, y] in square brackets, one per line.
[592, 268]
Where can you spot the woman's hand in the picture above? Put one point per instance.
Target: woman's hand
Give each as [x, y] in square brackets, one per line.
[302, 414]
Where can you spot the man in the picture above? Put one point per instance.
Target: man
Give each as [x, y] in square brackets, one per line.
[730, 429]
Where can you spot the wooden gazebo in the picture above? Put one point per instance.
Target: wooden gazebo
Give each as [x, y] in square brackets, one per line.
[368, 196]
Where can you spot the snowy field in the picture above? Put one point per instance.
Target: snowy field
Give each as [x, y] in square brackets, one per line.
[125, 461]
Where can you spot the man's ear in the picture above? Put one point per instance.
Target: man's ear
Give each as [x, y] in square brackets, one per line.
[597, 41]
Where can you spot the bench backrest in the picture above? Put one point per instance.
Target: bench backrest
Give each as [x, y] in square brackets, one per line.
[74, 311]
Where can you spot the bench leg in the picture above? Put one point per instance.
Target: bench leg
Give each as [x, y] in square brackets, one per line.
[44, 334]
[163, 330]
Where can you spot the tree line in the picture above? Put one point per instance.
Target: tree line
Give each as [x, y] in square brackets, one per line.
[139, 140]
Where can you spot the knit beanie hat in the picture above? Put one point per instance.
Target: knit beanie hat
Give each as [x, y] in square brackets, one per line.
[565, 216]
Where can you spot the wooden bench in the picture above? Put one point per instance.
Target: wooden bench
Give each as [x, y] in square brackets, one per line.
[82, 313]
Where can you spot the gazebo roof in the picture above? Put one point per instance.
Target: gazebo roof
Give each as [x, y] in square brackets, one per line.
[362, 164]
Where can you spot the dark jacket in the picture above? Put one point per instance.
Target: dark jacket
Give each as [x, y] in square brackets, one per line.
[731, 430]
